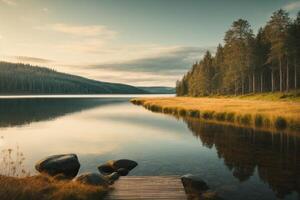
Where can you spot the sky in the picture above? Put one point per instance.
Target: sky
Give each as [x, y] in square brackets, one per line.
[137, 42]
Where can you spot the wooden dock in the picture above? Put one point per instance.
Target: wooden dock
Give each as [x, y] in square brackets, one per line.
[147, 187]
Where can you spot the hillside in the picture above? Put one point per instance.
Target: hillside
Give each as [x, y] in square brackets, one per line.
[159, 90]
[27, 79]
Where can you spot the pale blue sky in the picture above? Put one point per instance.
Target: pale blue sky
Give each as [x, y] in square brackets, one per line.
[140, 42]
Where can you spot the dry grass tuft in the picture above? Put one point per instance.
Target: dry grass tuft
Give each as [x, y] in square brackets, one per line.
[43, 187]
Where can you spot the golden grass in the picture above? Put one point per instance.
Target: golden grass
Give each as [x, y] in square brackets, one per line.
[258, 113]
[43, 187]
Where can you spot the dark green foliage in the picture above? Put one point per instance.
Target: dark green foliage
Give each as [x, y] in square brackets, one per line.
[194, 113]
[27, 79]
[245, 119]
[230, 117]
[154, 108]
[259, 120]
[182, 112]
[167, 110]
[280, 123]
[207, 114]
[248, 63]
[220, 116]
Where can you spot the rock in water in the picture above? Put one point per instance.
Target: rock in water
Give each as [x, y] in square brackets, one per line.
[66, 164]
[92, 179]
[122, 166]
[193, 184]
[125, 163]
[122, 172]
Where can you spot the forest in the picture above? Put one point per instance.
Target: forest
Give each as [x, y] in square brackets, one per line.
[249, 63]
[16, 78]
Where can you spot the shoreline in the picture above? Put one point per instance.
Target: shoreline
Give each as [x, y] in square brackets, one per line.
[258, 114]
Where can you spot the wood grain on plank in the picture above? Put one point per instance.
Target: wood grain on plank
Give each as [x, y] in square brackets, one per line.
[147, 187]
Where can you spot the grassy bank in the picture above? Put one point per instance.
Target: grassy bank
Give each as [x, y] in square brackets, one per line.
[276, 114]
[270, 96]
[43, 187]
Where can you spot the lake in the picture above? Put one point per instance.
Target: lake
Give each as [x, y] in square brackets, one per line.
[238, 163]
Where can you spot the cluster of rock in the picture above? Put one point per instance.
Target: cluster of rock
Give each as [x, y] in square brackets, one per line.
[67, 166]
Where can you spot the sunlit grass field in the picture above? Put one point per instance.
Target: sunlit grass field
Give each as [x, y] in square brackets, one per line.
[275, 113]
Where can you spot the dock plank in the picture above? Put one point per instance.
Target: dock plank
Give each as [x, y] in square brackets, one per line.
[147, 187]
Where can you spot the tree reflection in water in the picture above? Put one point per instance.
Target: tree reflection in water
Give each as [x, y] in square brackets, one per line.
[18, 112]
[275, 155]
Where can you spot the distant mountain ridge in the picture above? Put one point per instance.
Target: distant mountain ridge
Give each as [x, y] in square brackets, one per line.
[18, 78]
[159, 90]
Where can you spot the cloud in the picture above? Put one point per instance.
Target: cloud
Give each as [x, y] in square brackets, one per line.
[45, 10]
[176, 61]
[9, 2]
[292, 6]
[154, 68]
[81, 30]
[27, 59]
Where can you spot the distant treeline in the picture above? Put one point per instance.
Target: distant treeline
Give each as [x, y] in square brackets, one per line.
[248, 63]
[27, 79]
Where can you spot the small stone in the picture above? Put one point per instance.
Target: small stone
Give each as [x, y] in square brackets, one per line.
[106, 169]
[92, 179]
[112, 177]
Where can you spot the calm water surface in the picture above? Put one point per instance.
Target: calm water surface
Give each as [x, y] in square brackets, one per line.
[238, 163]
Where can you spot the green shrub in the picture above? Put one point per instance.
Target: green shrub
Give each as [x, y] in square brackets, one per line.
[246, 119]
[259, 119]
[182, 112]
[220, 116]
[167, 110]
[194, 113]
[155, 108]
[230, 117]
[267, 122]
[207, 114]
[280, 123]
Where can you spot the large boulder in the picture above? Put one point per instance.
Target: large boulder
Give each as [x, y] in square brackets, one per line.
[65, 164]
[92, 179]
[122, 166]
[193, 184]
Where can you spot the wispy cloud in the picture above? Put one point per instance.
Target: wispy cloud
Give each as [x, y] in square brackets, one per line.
[45, 10]
[81, 30]
[9, 2]
[163, 67]
[175, 61]
[292, 6]
[27, 59]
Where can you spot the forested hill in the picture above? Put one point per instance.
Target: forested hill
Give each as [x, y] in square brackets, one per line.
[159, 90]
[27, 79]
